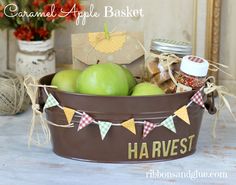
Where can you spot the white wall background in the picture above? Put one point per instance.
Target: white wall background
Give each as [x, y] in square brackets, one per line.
[163, 19]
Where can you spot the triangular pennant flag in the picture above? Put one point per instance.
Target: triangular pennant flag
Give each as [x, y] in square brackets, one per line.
[197, 98]
[69, 114]
[130, 125]
[148, 127]
[50, 102]
[104, 127]
[85, 121]
[169, 123]
[182, 113]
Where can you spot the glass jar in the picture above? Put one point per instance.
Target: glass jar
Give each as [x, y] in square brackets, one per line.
[193, 73]
[158, 73]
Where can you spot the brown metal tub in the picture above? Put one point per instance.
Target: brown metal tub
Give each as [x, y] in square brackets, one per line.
[120, 145]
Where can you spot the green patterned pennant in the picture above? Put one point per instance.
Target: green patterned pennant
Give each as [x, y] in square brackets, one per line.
[169, 123]
[104, 128]
[51, 102]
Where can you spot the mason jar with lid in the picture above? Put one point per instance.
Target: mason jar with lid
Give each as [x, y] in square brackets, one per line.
[158, 73]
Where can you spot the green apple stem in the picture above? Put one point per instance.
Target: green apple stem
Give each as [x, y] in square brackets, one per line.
[107, 34]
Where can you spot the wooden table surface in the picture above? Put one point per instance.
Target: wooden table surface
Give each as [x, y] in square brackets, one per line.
[213, 163]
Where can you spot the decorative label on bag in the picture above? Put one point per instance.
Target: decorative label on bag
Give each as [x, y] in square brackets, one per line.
[160, 149]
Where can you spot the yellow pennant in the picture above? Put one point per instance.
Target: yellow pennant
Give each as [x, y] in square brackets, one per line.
[130, 125]
[69, 114]
[182, 113]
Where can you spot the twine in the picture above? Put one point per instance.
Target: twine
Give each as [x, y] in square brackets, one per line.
[13, 96]
[166, 60]
[37, 119]
[222, 93]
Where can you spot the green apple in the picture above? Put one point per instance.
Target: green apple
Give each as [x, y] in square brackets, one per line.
[147, 89]
[103, 79]
[131, 80]
[66, 80]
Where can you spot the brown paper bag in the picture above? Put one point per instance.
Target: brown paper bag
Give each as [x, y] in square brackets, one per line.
[121, 48]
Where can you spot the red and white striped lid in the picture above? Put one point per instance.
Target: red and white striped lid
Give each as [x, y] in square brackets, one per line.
[194, 66]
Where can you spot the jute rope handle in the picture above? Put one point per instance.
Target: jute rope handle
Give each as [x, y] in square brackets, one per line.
[37, 115]
[38, 119]
[222, 93]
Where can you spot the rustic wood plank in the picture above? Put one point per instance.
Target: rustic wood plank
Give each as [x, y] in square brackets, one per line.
[227, 43]
[3, 50]
[12, 51]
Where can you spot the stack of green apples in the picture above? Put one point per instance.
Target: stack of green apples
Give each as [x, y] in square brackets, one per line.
[104, 80]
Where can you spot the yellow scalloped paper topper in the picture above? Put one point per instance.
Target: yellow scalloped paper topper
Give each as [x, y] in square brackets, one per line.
[100, 43]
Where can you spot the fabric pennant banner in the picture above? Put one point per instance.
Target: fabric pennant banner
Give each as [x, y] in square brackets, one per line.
[50, 102]
[197, 98]
[148, 127]
[182, 113]
[169, 123]
[69, 113]
[85, 121]
[130, 125]
[104, 127]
